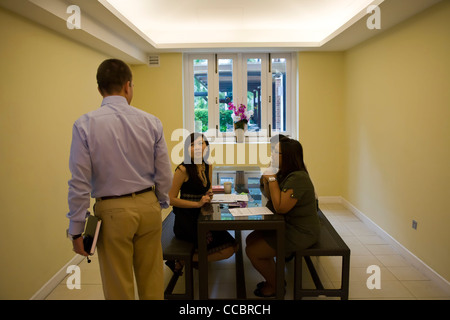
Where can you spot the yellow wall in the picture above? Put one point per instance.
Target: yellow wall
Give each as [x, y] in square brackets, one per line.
[398, 131]
[321, 119]
[159, 91]
[46, 83]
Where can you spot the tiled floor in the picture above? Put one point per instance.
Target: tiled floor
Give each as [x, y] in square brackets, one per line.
[399, 279]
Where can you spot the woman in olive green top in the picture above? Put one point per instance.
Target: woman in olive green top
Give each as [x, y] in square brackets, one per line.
[291, 193]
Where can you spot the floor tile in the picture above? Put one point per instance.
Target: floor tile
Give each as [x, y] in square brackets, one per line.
[342, 230]
[358, 249]
[87, 292]
[371, 239]
[407, 273]
[358, 228]
[363, 261]
[361, 274]
[382, 249]
[392, 260]
[388, 290]
[426, 289]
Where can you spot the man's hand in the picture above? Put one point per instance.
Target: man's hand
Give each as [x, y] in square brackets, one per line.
[78, 246]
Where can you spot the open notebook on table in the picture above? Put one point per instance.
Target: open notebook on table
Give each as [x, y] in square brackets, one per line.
[252, 211]
[229, 198]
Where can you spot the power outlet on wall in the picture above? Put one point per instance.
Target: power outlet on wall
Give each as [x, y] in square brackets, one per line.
[414, 224]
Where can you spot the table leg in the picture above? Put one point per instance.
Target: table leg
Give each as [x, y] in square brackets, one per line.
[280, 263]
[241, 291]
[202, 263]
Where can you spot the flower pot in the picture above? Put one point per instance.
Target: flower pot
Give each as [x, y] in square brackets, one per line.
[240, 128]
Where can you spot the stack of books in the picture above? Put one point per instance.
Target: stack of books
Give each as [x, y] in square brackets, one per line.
[218, 189]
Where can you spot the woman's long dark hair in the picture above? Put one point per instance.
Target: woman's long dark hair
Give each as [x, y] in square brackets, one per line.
[291, 159]
[188, 163]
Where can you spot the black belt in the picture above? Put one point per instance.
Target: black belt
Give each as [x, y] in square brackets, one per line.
[128, 194]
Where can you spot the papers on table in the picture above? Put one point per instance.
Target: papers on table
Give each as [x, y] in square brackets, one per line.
[253, 211]
[229, 198]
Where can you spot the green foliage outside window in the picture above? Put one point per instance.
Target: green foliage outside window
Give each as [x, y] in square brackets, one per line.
[225, 119]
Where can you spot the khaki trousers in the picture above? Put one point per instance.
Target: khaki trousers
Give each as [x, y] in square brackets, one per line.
[130, 240]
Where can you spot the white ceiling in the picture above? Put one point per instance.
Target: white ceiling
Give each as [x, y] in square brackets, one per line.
[132, 29]
[200, 23]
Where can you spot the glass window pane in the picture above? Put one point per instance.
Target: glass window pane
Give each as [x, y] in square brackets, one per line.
[279, 94]
[254, 93]
[225, 94]
[201, 95]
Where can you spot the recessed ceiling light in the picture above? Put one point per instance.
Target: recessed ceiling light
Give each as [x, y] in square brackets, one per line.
[234, 23]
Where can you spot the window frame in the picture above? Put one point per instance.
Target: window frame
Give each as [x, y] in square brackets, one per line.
[239, 77]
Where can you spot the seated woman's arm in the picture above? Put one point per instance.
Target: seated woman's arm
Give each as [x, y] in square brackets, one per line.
[282, 201]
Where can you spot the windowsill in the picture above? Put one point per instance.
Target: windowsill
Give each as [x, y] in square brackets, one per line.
[232, 140]
[233, 168]
[250, 137]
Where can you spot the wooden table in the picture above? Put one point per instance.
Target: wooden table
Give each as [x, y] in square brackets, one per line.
[219, 218]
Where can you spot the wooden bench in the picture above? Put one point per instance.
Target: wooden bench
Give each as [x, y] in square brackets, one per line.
[176, 249]
[330, 244]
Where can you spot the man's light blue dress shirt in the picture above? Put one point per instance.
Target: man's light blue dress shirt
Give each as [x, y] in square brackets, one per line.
[116, 149]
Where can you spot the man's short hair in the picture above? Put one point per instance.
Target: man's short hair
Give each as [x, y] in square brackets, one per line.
[112, 74]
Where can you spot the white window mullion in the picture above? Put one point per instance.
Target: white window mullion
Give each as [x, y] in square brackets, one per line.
[213, 105]
[212, 78]
[189, 97]
[234, 88]
[263, 97]
[292, 110]
[241, 72]
[269, 97]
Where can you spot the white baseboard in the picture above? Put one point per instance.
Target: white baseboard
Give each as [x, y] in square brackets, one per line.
[51, 284]
[408, 255]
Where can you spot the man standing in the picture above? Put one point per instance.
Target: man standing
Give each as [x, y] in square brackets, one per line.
[119, 157]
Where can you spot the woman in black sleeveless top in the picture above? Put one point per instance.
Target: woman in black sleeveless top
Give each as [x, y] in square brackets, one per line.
[192, 180]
